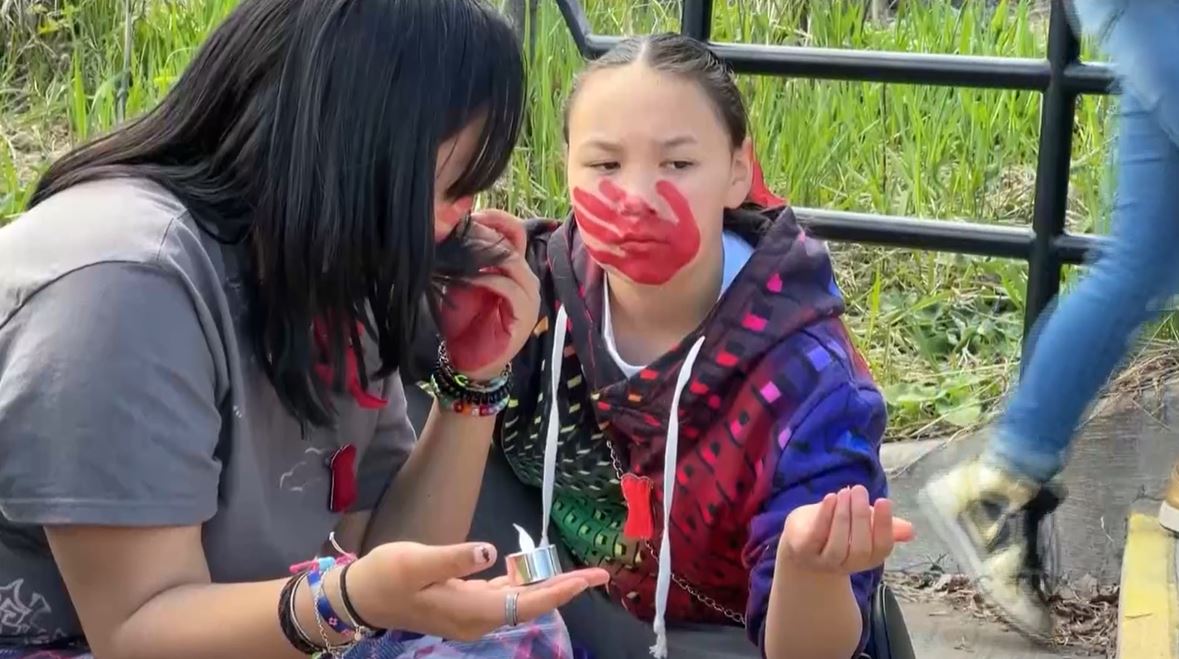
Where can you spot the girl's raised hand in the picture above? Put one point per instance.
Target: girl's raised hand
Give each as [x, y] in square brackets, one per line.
[424, 589]
[842, 534]
[486, 320]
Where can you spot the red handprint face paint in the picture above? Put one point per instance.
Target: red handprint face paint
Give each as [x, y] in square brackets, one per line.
[637, 240]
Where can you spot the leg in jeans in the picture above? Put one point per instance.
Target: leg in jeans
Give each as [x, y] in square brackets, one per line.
[978, 507]
[1140, 272]
[1084, 340]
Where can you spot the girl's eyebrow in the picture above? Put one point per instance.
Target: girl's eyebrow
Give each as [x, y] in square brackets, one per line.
[609, 145]
[601, 143]
[679, 140]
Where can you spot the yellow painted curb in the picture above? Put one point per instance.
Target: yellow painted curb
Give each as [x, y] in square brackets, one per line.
[1148, 616]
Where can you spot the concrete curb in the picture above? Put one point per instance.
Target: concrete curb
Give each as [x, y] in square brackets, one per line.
[898, 457]
[1148, 614]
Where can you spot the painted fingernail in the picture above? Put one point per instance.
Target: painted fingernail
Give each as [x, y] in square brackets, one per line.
[483, 554]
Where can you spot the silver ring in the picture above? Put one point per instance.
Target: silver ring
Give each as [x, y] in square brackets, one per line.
[511, 610]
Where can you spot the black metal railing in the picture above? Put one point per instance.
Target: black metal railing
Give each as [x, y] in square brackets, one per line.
[1060, 77]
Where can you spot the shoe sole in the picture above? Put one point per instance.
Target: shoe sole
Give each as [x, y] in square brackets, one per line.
[1169, 517]
[963, 547]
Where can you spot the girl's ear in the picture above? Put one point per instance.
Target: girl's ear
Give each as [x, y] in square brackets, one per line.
[741, 175]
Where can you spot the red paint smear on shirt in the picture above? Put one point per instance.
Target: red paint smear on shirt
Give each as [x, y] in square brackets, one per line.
[325, 371]
[644, 245]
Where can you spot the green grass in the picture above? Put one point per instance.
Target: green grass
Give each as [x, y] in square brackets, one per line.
[942, 331]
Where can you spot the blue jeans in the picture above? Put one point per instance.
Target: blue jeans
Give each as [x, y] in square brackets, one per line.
[1074, 349]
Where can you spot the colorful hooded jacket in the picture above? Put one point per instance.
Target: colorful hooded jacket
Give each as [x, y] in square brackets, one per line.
[778, 410]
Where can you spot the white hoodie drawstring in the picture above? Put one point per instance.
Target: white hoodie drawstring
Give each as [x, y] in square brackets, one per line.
[552, 435]
[670, 451]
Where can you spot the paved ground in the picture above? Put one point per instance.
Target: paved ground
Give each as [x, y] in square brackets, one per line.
[1119, 464]
[1123, 456]
[1148, 627]
[939, 632]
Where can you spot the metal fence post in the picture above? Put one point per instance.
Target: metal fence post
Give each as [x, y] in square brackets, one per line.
[1061, 77]
[1057, 116]
[696, 19]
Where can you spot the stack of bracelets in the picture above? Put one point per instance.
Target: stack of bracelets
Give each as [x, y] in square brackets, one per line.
[459, 393]
[454, 391]
[351, 626]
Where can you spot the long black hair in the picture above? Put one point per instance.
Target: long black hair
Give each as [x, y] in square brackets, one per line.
[311, 129]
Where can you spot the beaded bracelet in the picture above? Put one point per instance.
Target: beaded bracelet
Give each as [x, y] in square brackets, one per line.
[460, 394]
[445, 386]
[468, 384]
[473, 403]
[471, 408]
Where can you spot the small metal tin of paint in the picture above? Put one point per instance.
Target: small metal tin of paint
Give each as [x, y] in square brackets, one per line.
[533, 566]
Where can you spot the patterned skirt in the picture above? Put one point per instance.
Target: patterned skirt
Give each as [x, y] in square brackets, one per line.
[543, 638]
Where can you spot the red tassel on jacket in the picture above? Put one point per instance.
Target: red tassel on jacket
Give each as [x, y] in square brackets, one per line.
[759, 192]
[636, 490]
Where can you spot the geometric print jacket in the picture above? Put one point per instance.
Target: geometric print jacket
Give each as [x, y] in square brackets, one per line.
[779, 410]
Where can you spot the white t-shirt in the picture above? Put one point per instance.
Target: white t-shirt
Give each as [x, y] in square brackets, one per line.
[736, 254]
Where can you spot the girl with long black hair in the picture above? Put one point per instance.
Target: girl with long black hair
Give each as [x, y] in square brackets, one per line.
[202, 316]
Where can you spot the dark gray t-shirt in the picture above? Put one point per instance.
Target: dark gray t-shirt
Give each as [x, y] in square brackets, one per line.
[131, 396]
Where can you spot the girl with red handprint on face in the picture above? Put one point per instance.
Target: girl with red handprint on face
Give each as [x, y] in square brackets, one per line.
[221, 462]
[712, 433]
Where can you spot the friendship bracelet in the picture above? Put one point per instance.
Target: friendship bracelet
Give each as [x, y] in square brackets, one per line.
[288, 622]
[314, 571]
[468, 408]
[325, 614]
[334, 651]
[360, 632]
[323, 606]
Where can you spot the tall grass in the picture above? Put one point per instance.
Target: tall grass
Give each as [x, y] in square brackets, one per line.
[942, 331]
